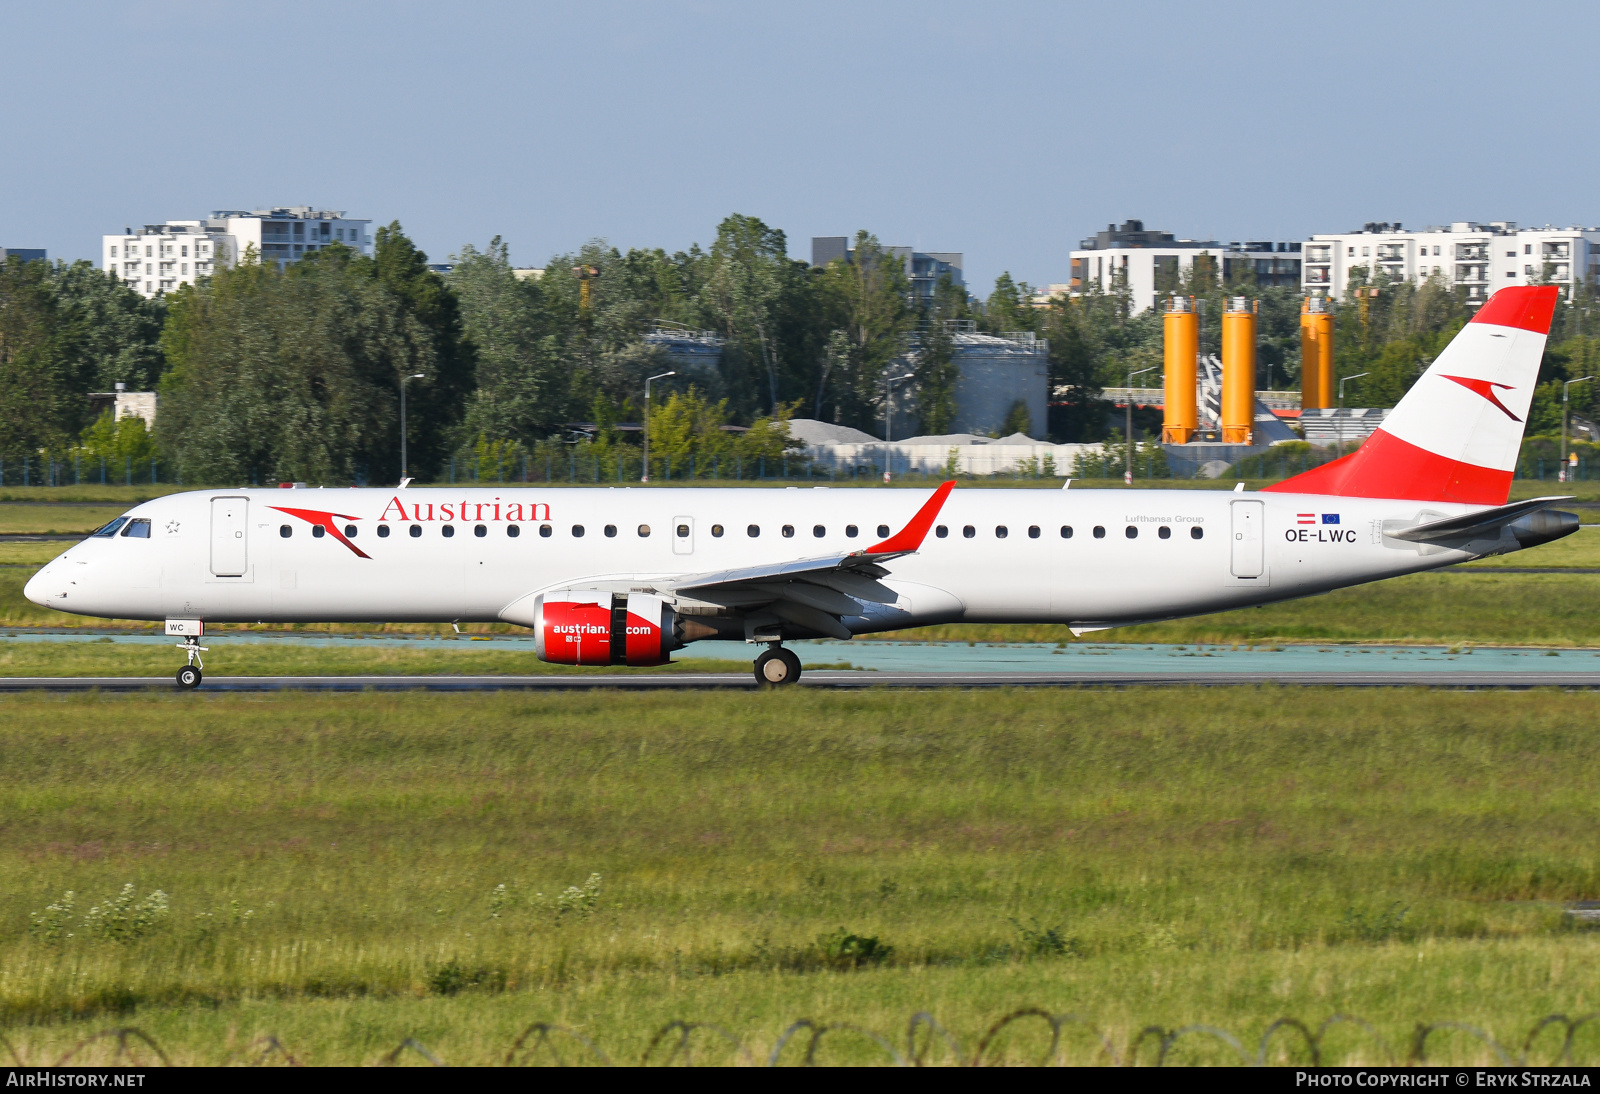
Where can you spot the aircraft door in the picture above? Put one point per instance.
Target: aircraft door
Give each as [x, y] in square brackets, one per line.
[1248, 542]
[683, 535]
[229, 536]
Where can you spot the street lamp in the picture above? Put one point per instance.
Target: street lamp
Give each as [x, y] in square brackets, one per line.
[1339, 417]
[888, 416]
[1127, 466]
[403, 379]
[1562, 475]
[659, 376]
[888, 413]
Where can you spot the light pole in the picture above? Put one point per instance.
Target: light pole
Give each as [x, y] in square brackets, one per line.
[648, 379]
[403, 379]
[888, 413]
[1339, 416]
[1565, 389]
[888, 416]
[1127, 466]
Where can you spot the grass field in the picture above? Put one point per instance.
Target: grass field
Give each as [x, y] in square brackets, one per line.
[331, 866]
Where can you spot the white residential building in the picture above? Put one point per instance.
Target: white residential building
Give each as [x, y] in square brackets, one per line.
[1151, 264]
[1472, 257]
[160, 257]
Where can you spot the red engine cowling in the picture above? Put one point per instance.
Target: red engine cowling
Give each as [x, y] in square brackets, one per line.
[582, 628]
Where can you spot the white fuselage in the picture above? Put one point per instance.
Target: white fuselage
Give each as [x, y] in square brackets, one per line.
[1001, 557]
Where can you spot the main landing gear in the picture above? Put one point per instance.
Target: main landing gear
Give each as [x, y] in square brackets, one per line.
[777, 667]
[189, 675]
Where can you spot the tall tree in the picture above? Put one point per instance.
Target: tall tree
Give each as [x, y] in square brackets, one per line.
[744, 284]
[42, 383]
[112, 332]
[521, 389]
[870, 297]
[440, 399]
[288, 375]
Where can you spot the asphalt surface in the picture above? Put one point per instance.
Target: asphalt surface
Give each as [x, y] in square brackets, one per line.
[819, 679]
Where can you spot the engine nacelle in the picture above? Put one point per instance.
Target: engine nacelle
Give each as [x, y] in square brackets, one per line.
[599, 628]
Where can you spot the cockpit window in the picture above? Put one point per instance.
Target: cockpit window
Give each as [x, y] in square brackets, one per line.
[111, 529]
[138, 528]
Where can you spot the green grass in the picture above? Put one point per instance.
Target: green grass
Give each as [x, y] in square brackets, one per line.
[1217, 856]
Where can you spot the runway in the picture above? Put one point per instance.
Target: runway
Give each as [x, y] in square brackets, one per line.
[826, 679]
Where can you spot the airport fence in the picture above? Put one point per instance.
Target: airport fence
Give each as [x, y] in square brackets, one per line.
[1028, 1035]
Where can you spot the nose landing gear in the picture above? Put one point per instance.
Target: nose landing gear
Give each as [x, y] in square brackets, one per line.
[189, 676]
[777, 667]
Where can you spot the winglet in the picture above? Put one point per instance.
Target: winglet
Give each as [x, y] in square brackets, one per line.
[910, 538]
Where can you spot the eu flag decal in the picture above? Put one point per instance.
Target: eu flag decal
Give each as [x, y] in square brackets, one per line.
[1330, 518]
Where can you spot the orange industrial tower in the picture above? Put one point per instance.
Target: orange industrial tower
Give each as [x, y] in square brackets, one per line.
[1238, 370]
[1182, 348]
[1316, 354]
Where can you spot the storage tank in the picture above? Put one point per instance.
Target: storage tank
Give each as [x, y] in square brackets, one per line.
[1181, 352]
[1316, 354]
[1238, 370]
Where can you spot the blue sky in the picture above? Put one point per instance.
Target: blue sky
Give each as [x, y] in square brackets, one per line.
[1007, 131]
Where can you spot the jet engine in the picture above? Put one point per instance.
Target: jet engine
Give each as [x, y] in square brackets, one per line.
[601, 628]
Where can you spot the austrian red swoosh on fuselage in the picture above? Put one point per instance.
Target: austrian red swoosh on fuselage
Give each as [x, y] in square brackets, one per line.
[324, 520]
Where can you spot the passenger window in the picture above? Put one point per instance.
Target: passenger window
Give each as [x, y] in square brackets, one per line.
[941, 531]
[753, 531]
[611, 531]
[513, 531]
[644, 531]
[683, 531]
[383, 531]
[1165, 532]
[1131, 531]
[416, 531]
[544, 531]
[818, 530]
[883, 531]
[577, 531]
[788, 531]
[1000, 531]
[111, 529]
[1197, 532]
[1099, 532]
[851, 531]
[1066, 531]
[1033, 531]
[138, 528]
[479, 530]
[969, 531]
[448, 531]
[716, 531]
[285, 531]
[317, 531]
[350, 531]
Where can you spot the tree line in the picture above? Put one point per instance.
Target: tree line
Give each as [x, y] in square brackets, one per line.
[269, 374]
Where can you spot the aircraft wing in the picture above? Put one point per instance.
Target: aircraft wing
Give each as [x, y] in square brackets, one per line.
[816, 593]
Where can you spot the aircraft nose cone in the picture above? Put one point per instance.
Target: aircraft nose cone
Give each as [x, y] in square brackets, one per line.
[38, 588]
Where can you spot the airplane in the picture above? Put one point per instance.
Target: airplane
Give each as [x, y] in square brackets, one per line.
[624, 576]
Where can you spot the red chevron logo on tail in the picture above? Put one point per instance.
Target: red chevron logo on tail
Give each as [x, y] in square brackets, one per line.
[1486, 389]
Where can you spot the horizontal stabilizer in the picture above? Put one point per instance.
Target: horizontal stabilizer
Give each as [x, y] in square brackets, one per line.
[1474, 525]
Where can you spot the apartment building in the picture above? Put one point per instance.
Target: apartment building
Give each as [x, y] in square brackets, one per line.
[923, 269]
[1150, 264]
[158, 258]
[1472, 257]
